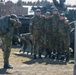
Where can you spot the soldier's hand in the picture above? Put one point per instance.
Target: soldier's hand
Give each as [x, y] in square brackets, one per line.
[17, 24]
[66, 21]
[12, 20]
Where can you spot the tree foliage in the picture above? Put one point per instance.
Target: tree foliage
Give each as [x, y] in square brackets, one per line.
[19, 3]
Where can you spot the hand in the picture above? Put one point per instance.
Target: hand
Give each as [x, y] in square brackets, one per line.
[66, 21]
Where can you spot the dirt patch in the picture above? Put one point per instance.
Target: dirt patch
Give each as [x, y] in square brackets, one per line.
[24, 65]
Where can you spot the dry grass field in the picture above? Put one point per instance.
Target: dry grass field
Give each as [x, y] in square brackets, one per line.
[24, 65]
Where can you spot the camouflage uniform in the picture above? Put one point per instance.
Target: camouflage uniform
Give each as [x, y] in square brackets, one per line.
[7, 40]
[64, 33]
[55, 20]
[48, 36]
[61, 37]
[67, 40]
[36, 30]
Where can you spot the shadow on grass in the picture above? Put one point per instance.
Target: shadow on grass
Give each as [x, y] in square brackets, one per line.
[40, 61]
[46, 62]
[3, 71]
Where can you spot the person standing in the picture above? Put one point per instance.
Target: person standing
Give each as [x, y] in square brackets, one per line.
[6, 38]
[64, 32]
[55, 21]
[48, 34]
[37, 32]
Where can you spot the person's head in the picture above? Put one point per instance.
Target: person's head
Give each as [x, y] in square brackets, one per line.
[47, 15]
[62, 16]
[38, 12]
[13, 19]
[13, 16]
[54, 11]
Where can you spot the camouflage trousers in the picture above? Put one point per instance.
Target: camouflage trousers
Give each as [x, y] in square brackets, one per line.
[55, 43]
[64, 43]
[38, 41]
[48, 44]
[6, 48]
[67, 44]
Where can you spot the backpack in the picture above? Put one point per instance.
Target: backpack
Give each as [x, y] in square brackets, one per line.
[3, 24]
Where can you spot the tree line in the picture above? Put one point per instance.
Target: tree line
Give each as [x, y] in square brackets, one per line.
[20, 2]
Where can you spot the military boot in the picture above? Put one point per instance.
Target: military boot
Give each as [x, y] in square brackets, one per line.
[49, 55]
[7, 66]
[62, 57]
[40, 56]
[35, 56]
[46, 56]
[67, 58]
[58, 56]
[53, 56]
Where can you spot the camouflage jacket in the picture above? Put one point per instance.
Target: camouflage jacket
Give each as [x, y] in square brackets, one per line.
[36, 25]
[11, 25]
[47, 26]
[55, 21]
[64, 28]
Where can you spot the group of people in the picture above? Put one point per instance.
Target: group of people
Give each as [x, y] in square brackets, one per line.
[51, 32]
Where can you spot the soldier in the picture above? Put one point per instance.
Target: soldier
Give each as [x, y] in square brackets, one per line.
[7, 39]
[36, 31]
[55, 20]
[64, 33]
[48, 34]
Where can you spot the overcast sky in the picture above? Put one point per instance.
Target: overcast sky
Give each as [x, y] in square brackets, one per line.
[67, 1]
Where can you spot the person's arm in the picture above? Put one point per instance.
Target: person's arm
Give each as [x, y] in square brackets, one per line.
[68, 27]
[15, 23]
[31, 26]
[18, 24]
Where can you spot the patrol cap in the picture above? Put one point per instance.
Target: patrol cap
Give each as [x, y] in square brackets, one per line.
[13, 16]
[47, 13]
[55, 9]
[62, 14]
[38, 10]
